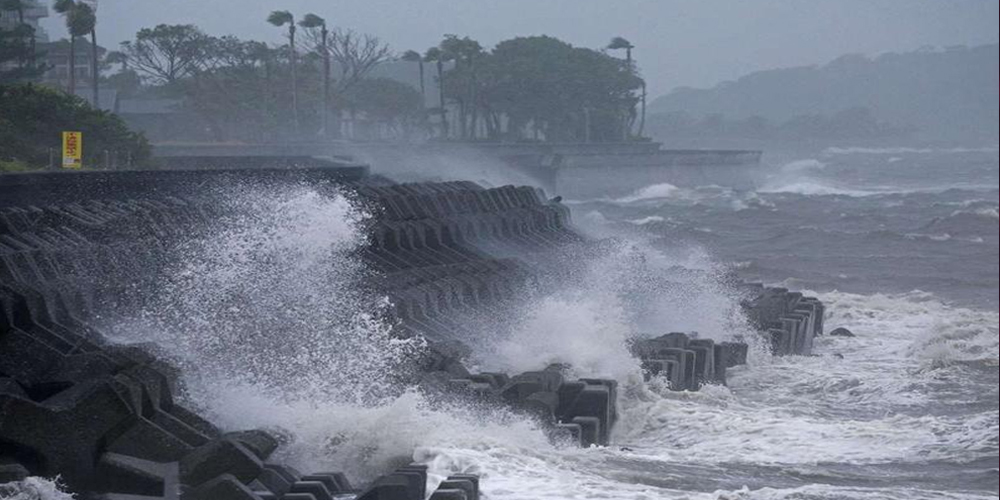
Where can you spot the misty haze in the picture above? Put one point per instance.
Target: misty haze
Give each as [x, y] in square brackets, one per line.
[519, 250]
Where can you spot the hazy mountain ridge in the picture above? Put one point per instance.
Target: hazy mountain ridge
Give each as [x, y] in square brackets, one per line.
[949, 93]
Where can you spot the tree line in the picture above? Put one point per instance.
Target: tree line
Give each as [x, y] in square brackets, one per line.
[33, 116]
[532, 88]
[527, 88]
[319, 83]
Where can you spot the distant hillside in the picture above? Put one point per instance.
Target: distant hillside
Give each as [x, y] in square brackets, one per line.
[950, 93]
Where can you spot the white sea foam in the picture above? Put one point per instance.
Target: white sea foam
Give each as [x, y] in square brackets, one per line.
[849, 409]
[803, 165]
[646, 220]
[273, 294]
[812, 188]
[588, 323]
[988, 212]
[284, 272]
[269, 317]
[653, 191]
[824, 491]
[34, 488]
[905, 150]
[865, 408]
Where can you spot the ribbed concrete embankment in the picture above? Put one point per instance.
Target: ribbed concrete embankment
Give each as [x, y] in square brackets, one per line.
[104, 416]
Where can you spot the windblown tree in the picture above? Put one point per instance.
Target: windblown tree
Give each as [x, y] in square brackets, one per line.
[435, 55]
[167, 53]
[126, 81]
[353, 55]
[415, 57]
[389, 103]
[559, 92]
[95, 73]
[620, 43]
[314, 22]
[356, 55]
[230, 89]
[281, 18]
[462, 86]
[80, 20]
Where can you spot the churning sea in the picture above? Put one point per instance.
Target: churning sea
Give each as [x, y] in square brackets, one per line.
[271, 322]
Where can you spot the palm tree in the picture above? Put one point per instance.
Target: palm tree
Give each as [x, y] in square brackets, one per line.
[314, 21]
[95, 80]
[80, 20]
[618, 43]
[280, 18]
[414, 56]
[435, 55]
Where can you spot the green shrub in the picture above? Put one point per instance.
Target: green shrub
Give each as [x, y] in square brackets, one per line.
[33, 117]
[14, 166]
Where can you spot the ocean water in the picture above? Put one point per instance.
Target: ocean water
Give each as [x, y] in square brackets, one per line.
[270, 318]
[902, 246]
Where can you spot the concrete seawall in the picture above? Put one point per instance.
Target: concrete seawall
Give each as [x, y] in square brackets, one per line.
[104, 415]
[568, 169]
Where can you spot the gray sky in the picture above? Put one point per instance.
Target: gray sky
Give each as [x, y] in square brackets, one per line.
[678, 42]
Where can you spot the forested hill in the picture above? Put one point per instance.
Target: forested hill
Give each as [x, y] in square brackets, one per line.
[947, 93]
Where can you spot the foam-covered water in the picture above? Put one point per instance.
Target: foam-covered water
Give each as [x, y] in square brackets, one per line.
[275, 298]
[904, 253]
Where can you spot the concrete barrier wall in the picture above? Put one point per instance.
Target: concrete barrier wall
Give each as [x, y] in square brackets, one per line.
[104, 417]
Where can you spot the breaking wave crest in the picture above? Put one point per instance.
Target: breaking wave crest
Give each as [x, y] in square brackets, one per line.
[271, 318]
[905, 150]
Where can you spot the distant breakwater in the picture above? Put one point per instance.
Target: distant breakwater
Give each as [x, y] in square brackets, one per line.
[106, 416]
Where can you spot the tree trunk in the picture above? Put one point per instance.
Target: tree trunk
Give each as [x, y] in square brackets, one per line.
[20, 24]
[34, 51]
[72, 64]
[295, 80]
[444, 114]
[93, 68]
[462, 115]
[423, 91]
[326, 85]
[642, 116]
[423, 101]
[474, 98]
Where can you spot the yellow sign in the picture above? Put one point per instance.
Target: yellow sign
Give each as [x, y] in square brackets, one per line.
[72, 149]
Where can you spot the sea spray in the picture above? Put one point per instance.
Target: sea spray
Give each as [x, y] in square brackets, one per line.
[625, 291]
[269, 309]
[34, 488]
[272, 294]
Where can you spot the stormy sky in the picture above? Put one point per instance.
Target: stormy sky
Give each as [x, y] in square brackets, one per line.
[678, 42]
